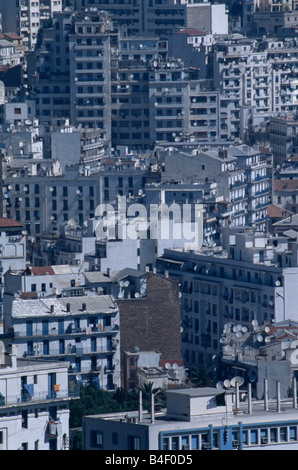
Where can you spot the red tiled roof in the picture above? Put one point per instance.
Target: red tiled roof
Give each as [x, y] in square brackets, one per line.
[28, 295]
[41, 270]
[5, 222]
[277, 212]
[286, 185]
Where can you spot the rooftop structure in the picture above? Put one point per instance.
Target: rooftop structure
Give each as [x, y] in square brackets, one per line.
[198, 419]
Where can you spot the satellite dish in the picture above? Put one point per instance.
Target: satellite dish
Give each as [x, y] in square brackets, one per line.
[220, 385]
[121, 295]
[267, 329]
[126, 283]
[244, 329]
[294, 344]
[238, 334]
[72, 222]
[223, 340]
[227, 383]
[78, 377]
[260, 338]
[235, 329]
[254, 323]
[267, 339]
[277, 283]
[175, 366]
[167, 365]
[239, 380]
[137, 295]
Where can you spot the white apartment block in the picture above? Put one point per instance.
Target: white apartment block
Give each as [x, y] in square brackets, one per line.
[12, 252]
[81, 331]
[34, 404]
[181, 105]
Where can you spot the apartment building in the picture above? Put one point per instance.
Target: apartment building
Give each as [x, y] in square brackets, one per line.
[130, 88]
[181, 105]
[90, 85]
[157, 17]
[34, 403]
[243, 76]
[283, 137]
[239, 175]
[12, 252]
[197, 419]
[51, 71]
[262, 354]
[25, 17]
[83, 332]
[249, 279]
[48, 199]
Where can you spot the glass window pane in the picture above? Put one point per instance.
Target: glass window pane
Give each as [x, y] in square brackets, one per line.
[254, 436]
[273, 434]
[175, 443]
[293, 433]
[283, 434]
[194, 442]
[245, 437]
[165, 443]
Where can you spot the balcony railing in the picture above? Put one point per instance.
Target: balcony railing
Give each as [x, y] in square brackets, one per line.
[71, 330]
[36, 397]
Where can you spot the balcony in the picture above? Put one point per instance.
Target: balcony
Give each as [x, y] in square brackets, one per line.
[70, 330]
[12, 400]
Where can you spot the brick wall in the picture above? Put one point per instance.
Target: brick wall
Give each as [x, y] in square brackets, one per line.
[153, 323]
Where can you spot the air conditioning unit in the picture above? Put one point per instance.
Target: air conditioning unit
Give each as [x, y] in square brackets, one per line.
[235, 443]
[264, 440]
[205, 446]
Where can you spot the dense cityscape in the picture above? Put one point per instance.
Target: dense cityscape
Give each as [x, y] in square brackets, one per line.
[148, 225]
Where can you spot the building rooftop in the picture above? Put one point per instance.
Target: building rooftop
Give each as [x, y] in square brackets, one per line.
[286, 185]
[93, 304]
[9, 223]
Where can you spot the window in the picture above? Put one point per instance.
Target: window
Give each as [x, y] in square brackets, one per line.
[283, 434]
[96, 439]
[29, 328]
[115, 438]
[134, 443]
[24, 418]
[165, 443]
[45, 348]
[45, 327]
[293, 433]
[61, 346]
[253, 436]
[273, 435]
[195, 442]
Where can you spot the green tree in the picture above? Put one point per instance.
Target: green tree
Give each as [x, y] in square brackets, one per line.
[202, 377]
